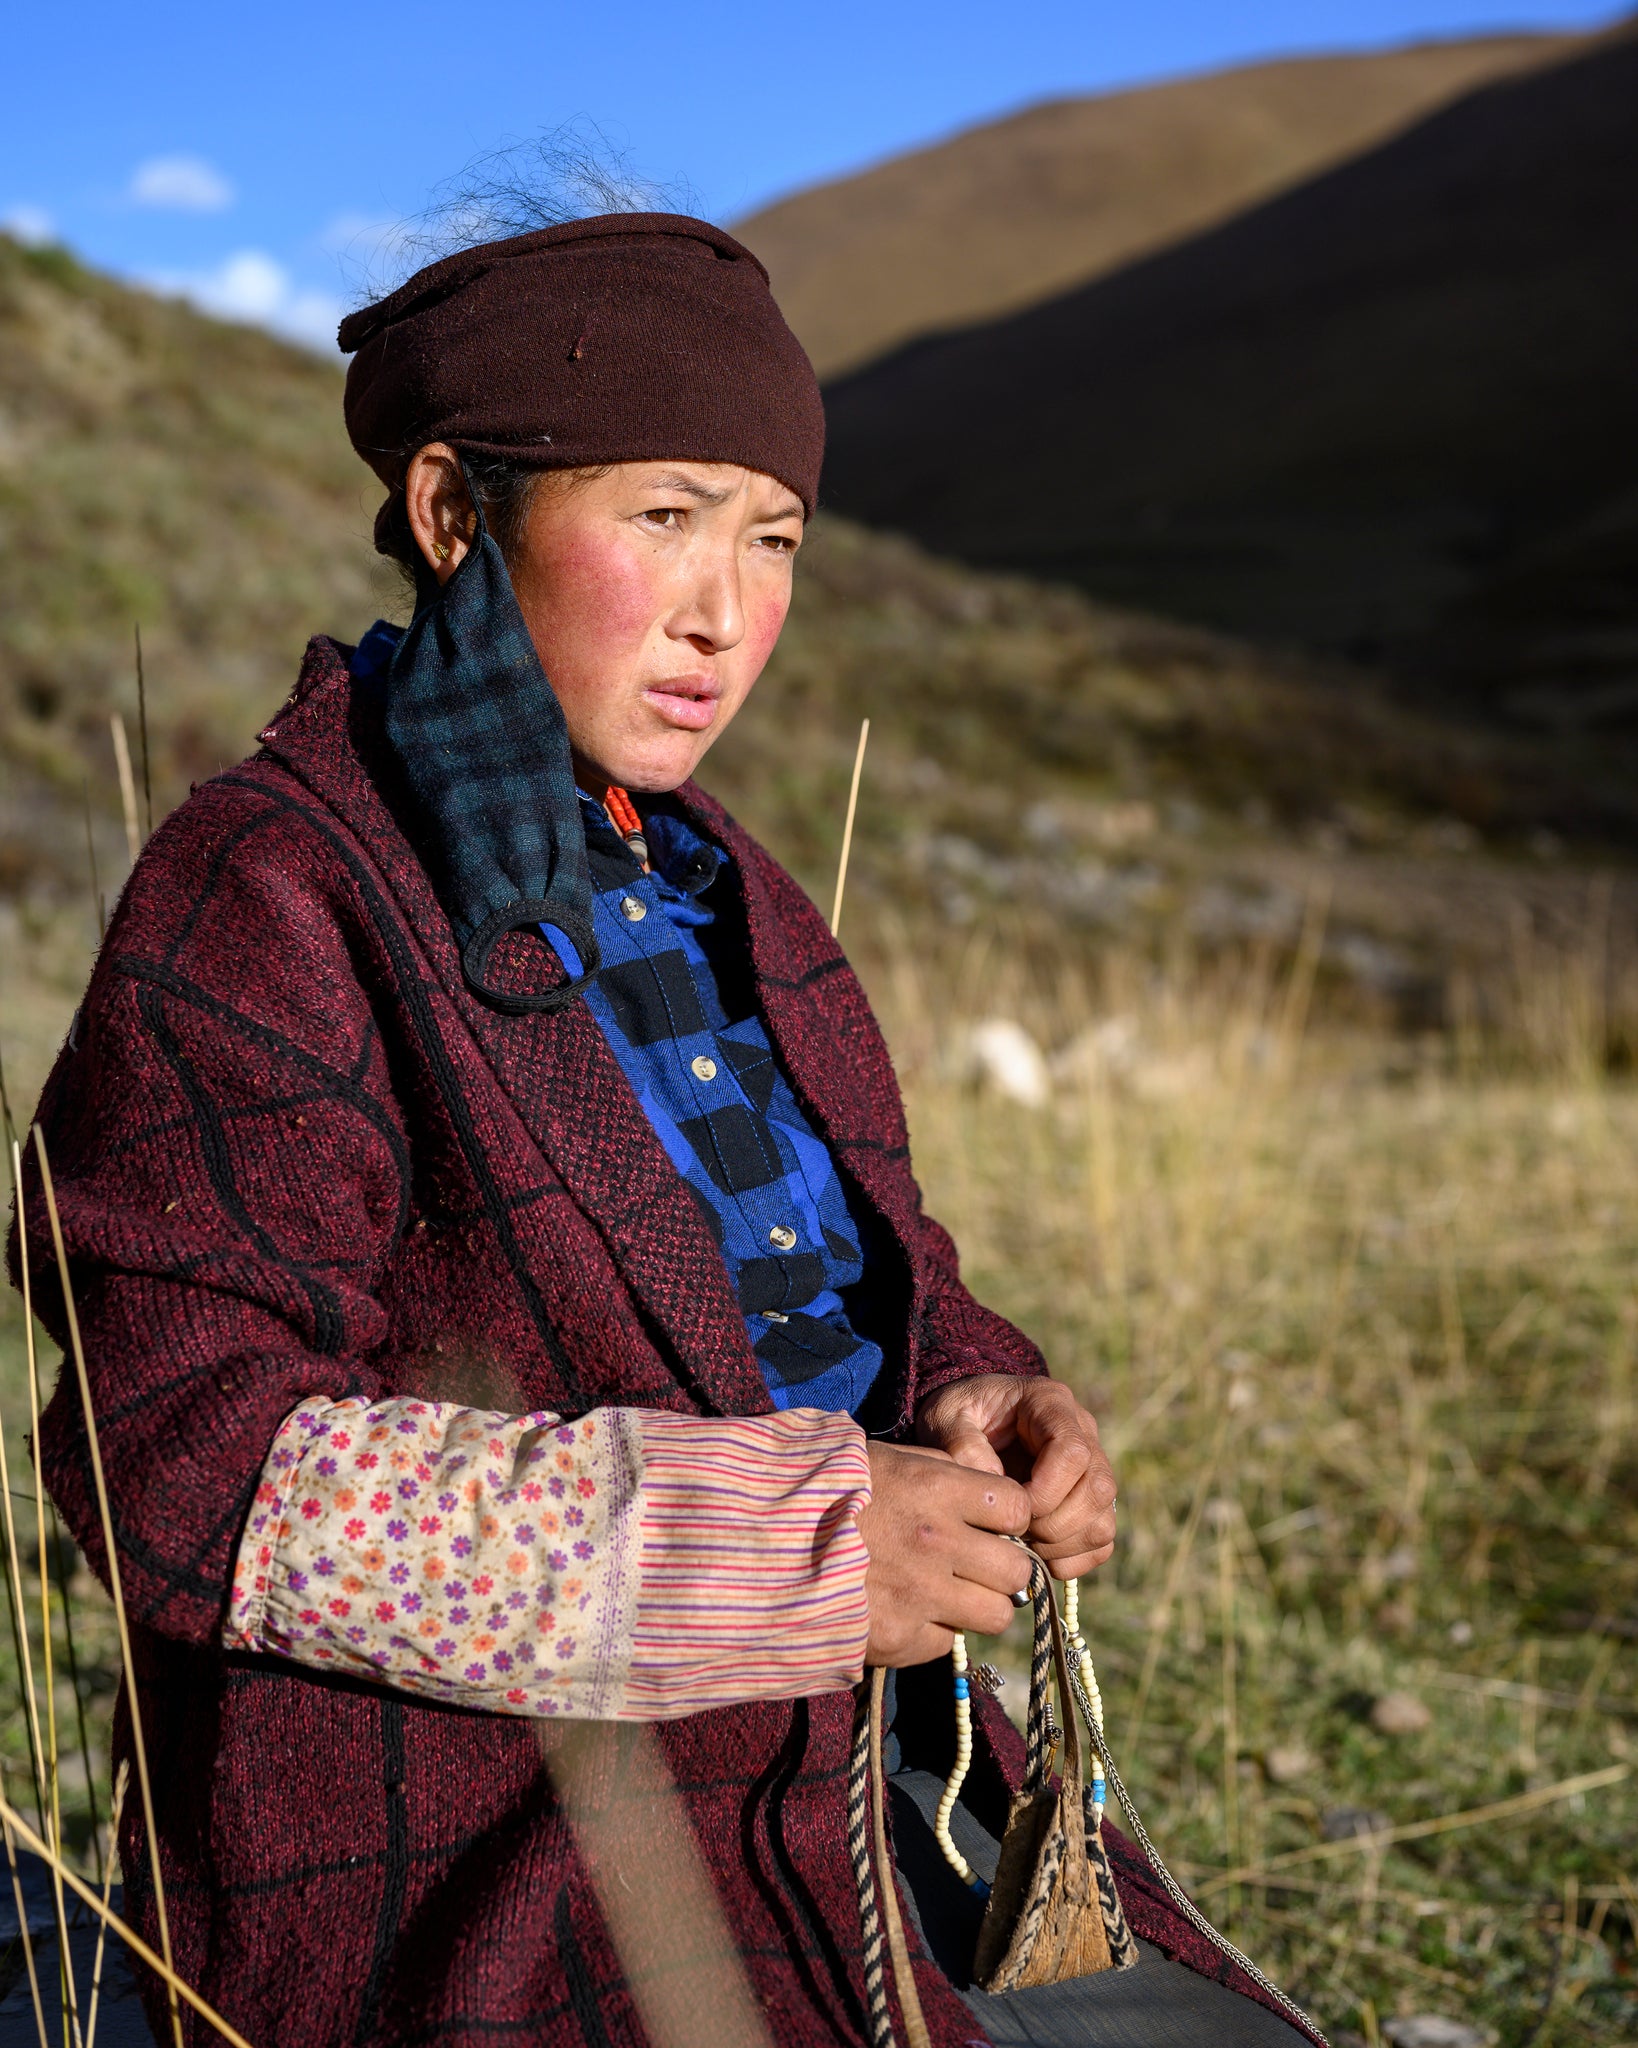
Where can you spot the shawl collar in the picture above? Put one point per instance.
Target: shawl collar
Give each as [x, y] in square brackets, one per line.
[557, 1071]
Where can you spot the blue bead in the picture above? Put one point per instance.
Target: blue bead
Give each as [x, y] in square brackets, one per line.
[961, 1689]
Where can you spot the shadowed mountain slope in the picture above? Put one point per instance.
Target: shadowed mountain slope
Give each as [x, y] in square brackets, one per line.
[1005, 215]
[162, 469]
[1365, 417]
[1039, 763]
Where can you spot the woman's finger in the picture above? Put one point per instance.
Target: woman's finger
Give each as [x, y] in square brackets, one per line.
[991, 1562]
[976, 1609]
[1088, 1501]
[967, 1444]
[1061, 1460]
[1083, 1522]
[985, 1500]
[1082, 1562]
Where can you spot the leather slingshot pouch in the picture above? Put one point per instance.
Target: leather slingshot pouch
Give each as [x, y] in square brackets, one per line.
[1053, 1910]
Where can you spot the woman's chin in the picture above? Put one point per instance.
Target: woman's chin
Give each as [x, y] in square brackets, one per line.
[655, 767]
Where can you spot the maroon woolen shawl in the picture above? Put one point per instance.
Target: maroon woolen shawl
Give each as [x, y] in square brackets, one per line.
[296, 1157]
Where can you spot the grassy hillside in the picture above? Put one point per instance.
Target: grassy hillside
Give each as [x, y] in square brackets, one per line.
[1035, 759]
[1367, 416]
[1016, 211]
[157, 470]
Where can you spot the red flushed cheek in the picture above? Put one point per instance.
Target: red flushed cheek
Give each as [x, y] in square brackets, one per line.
[764, 621]
[599, 592]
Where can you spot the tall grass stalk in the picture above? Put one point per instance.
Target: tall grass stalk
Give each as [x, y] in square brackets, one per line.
[50, 1797]
[142, 730]
[138, 1745]
[178, 1988]
[14, 1573]
[847, 829]
[121, 1784]
[22, 1924]
[65, 1593]
[127, 787]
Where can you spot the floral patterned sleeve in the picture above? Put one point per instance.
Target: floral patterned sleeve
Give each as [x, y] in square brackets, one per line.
[627, 1565]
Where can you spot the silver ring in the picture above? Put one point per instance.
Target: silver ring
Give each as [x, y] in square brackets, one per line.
[1021, 1599]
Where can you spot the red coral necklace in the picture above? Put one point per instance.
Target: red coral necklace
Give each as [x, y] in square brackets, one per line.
[623, 816]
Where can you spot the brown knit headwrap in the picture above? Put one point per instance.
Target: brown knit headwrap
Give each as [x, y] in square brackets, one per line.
[633, 337]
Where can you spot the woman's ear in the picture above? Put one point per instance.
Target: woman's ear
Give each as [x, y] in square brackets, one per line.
[440, 509]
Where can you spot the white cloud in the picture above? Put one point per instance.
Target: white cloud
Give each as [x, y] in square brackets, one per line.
[181, 184]
[248, 286]
[30, 225]
[255, 288]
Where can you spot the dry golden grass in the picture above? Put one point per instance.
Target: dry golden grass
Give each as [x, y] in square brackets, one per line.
[1360, 1316]
[1362, 1334]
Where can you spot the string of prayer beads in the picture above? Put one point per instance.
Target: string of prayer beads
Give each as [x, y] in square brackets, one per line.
[1092, 1702]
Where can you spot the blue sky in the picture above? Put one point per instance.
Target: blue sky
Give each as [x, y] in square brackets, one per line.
[253, 156]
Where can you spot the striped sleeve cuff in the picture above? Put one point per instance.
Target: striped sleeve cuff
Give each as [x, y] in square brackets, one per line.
[751, 1568]
[626, 1565]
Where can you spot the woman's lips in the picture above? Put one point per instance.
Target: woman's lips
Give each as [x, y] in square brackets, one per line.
[687, 702]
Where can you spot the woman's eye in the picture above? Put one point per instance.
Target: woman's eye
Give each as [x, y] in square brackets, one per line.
[665, 516]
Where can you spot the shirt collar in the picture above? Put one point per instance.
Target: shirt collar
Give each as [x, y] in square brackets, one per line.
[680, 856]
[373, 654]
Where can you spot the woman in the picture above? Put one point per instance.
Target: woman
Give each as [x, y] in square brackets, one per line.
[506, 1293]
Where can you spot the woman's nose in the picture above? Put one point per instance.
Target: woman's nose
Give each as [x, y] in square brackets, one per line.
[714, 616]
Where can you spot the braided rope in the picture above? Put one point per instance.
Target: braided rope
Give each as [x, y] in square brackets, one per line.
[864, 1877]
[898, 1949]
[1037, 1759]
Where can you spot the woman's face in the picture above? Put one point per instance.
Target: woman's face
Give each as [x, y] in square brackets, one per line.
[654, 594]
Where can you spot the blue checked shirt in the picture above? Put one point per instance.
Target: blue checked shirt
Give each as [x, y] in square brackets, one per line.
[702, 1068]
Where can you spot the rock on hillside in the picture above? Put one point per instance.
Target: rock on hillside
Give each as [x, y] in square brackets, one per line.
[1338, 420]
[1014, 212]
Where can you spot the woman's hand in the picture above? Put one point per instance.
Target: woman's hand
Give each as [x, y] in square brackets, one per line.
[1036, 1430]
[939, 1559]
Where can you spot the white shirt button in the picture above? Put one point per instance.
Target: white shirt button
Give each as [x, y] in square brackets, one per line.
[782, 1236]
[635, 909]
[704, 1069]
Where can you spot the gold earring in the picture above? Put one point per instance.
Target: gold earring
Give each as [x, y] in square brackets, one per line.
[440, 552]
